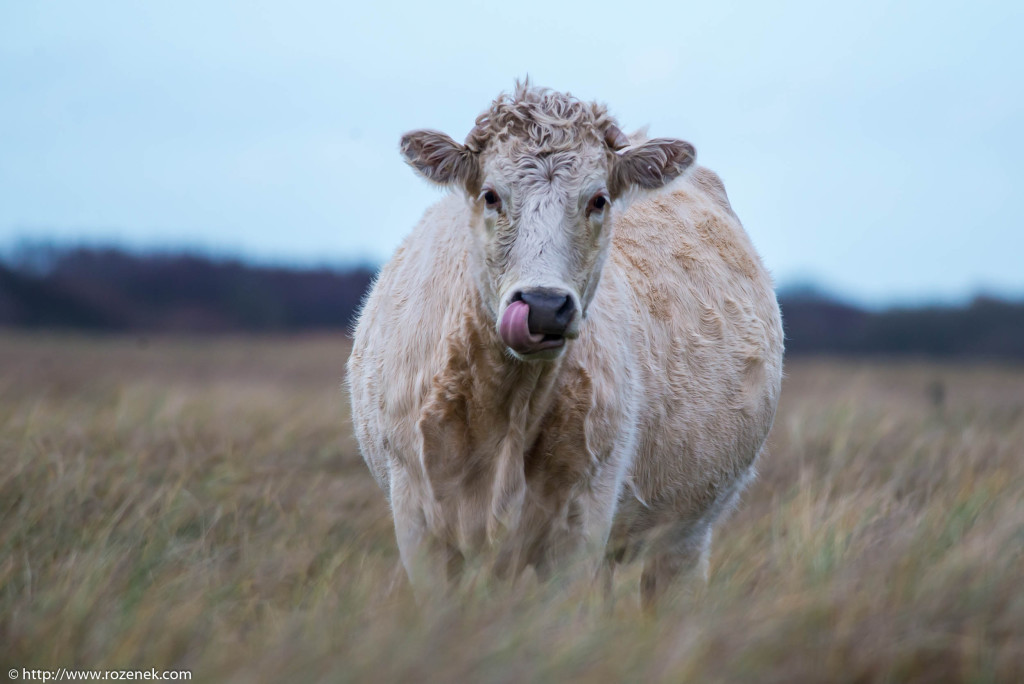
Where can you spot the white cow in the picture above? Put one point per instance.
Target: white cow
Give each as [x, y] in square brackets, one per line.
[576, 355]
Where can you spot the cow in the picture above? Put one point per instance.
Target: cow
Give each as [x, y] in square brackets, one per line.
[575, 358]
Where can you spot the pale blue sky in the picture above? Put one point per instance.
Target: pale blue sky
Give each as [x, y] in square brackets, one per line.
[875, 146]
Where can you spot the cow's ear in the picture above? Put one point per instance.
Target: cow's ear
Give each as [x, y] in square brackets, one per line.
[650, 164]
[440, 159]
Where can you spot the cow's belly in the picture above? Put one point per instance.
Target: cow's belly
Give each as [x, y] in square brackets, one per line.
[697, 444]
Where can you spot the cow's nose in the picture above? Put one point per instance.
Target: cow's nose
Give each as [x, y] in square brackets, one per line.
[551, 311]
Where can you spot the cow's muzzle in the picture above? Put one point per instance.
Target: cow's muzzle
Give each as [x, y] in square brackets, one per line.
[538, 319]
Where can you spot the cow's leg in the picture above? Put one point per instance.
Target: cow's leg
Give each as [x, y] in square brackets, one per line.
[606, 583]
[684, 547]
[601, 550]
[589, 561]
[413, 548]
[431, 564]
[575, 551]
[686, 557]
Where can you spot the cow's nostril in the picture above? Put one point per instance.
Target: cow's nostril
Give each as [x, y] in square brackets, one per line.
[551, 311]
[565, 312]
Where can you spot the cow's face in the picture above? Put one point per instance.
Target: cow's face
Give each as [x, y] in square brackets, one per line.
[541, 216]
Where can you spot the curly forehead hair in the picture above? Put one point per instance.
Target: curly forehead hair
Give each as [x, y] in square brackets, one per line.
[539, 121]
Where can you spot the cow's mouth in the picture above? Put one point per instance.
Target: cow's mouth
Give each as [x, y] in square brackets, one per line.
[516, 333]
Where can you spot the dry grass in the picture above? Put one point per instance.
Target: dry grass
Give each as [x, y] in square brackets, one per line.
[202, 505]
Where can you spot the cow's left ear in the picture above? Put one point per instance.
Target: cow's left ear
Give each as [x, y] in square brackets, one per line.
[440, 159]
[650, 164]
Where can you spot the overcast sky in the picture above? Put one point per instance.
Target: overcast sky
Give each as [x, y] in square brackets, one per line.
[874, 147]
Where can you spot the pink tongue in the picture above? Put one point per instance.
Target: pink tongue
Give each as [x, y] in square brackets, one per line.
[515, 328]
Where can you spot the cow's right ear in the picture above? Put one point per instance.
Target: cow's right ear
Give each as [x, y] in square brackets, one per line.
[440, 159]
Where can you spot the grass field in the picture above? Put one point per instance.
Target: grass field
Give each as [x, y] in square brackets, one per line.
[202, 505]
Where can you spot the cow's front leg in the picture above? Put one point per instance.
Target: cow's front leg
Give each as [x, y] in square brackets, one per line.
[599, 505]
[431, 564]
[573, 545]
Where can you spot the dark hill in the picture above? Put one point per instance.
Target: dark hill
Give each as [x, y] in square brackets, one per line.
[108, 289]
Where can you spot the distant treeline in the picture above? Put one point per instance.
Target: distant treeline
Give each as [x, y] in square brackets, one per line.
[114, 290]
[985, 328]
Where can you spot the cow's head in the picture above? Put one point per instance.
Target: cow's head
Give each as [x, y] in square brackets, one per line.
[543, 174]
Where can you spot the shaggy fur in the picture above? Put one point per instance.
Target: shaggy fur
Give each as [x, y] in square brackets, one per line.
[634, 438]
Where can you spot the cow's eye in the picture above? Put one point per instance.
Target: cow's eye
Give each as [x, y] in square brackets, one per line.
[492, 200]
[597, 204]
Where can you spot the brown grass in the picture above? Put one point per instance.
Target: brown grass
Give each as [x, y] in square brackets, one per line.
[202, 505]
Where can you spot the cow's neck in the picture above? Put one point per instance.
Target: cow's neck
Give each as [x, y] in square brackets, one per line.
[482, 415]
[507, 393]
